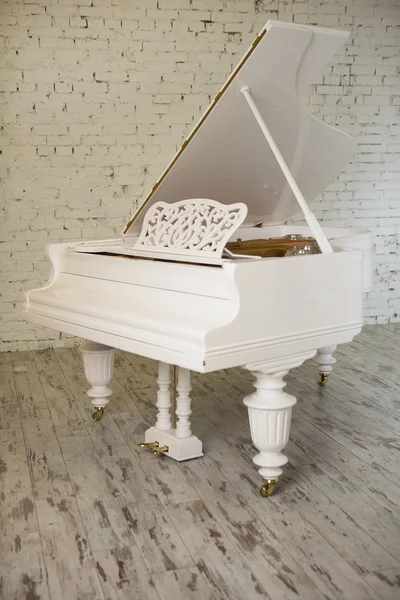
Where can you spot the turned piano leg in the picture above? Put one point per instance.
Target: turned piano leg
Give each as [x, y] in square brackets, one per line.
[164, 404]
[270, 411]
[178, 443]
[98, 363]
[325, 361]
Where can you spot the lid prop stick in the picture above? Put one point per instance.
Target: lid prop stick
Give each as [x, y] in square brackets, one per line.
[311, 219]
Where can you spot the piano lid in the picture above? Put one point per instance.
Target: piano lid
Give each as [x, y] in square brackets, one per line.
[227, 158]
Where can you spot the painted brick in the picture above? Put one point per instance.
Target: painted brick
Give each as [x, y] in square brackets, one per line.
[99, 94]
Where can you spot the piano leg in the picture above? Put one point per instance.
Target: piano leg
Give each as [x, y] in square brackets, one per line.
[183, 405]
[325, 360]
[178, 443]
[164, 421]
[270, 411]
[98, 363]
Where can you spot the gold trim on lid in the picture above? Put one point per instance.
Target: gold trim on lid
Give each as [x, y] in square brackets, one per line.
[200, 123]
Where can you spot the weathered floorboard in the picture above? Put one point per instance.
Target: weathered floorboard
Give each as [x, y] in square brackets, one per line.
[385, 583]
[70, 565]
[22, 569]
[9, 409]
[104, 521]
[324, 565]
[123, 574]
[85, 514]
[155, 535]
[185, 583]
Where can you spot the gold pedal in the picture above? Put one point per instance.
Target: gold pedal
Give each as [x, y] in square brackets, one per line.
[160, 450]
[148, 445]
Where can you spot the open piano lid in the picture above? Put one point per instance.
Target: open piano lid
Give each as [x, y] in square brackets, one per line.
[227, 158]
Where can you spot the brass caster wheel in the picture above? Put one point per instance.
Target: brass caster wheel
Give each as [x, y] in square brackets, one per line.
[268, 488]
[323, 379]
[98, 413]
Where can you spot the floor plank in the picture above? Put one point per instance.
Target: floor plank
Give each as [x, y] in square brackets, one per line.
[83, 509]
[49, 473]
[367, 478]
[385, 583]
[185, 583]
[46, 462]
[215, 556]
[63, 408]
[70, 565]
[124, 575]
[13, 457]
[167, 476]
[9, 408]
[324, 565]
[105, 524]
[23, 573]
[17, 508]
[157, 538]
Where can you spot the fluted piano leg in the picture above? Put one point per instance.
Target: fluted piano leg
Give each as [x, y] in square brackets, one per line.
[325, 361]
[98, 363]
[270, 411]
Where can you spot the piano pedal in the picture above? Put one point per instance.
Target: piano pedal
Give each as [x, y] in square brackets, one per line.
[267, 489]
[170, 445]
[161, 450]
[98, 413]
[148, 445]
[323, 379]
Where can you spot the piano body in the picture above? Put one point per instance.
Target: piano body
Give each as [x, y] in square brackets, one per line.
[171, 290]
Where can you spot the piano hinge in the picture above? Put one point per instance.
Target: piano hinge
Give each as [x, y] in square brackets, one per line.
[258, 38]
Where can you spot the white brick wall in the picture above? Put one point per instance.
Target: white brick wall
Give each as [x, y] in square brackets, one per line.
[96, 95]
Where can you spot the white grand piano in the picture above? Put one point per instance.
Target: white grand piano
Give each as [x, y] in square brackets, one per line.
[173, 289]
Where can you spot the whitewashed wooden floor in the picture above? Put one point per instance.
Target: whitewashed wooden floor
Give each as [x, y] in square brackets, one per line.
[85, 514]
